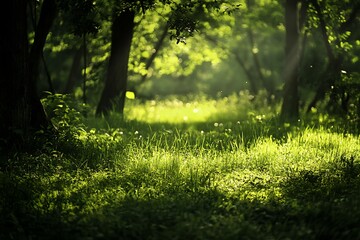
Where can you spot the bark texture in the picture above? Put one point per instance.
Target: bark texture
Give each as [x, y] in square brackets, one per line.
[47, 17]
[14, 107]
[290, 105]
[113, 95]
[75, 71]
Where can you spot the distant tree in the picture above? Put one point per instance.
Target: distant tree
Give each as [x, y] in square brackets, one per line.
[183, 21]
[156, 50]
[337, 33]
[290, 105]
[270, 88]
[75, 70]
[116, 79]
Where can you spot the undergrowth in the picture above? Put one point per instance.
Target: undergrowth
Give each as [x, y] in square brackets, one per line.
[177, 170]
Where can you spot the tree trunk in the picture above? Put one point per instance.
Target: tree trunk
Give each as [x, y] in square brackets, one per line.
[42, 29]
[253, 86]
[264, 82]
[333, 70]
[290, 105]
[113, 95]
[14, 108]
[14, 64]
[47, 17]
[75, 71]
[156, 51]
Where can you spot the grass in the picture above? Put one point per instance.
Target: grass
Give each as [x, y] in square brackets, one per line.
[226, 171]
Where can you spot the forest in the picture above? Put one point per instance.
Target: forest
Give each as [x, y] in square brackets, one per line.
[180, 119]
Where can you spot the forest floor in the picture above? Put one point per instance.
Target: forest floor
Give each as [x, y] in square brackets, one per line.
[204, 169]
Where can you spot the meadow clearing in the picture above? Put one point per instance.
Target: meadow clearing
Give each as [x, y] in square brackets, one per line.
[202, 169]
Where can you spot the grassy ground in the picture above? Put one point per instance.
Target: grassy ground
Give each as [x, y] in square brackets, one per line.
[176, 170]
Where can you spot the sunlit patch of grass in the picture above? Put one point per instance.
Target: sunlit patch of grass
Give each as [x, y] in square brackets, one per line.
[153, 177]
[171, 111]
[188, 111]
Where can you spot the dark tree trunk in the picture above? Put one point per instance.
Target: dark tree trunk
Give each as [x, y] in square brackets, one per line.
[14, 65]
[113, 95]
[75, 71]
[14, 105]
[85, 64]
[47, 17]
[290, 105]
[42, 29]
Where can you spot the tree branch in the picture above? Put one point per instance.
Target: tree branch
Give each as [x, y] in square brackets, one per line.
[324, 34]
[345, 25]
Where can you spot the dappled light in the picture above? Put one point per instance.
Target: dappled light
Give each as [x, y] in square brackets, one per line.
[180, 119]
[162, 178]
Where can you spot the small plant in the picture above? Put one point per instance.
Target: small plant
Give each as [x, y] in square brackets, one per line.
[64, 110]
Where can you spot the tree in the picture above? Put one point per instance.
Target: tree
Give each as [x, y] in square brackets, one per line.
[21, 109]
[116, 80]
[75, 70]
[264, 82]
[336, 54]
[155, 52]
[290, 105]
[182, 23]
[42, 29]
[19, 106]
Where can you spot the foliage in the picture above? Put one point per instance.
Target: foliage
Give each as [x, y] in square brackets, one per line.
[336, 24]
[82, 16]
[220, 36]
[63, 110]
[188, 15]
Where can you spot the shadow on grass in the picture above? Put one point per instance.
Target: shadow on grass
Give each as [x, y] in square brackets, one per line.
[215, 135]
[328, 200]
[179, 216]
[314, 205]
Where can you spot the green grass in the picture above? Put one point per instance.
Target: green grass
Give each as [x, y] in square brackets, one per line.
[227, 171]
